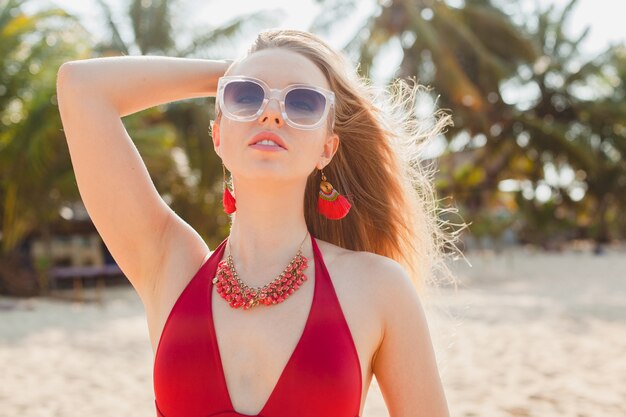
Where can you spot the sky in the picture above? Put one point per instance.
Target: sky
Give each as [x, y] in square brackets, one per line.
[606, 17]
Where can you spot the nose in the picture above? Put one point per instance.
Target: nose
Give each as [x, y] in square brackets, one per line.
[271, 113]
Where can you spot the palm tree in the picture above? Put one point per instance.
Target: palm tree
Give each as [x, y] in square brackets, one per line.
[454, 51]
[576, 120]
[475, 57]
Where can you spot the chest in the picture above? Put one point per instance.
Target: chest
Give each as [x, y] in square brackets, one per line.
[259, 348]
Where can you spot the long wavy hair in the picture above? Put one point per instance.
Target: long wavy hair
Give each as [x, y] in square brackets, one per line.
[378, 164]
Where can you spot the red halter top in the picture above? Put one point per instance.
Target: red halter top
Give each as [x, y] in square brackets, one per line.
[322, 377]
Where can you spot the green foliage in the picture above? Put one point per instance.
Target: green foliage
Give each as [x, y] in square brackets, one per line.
[34, 162]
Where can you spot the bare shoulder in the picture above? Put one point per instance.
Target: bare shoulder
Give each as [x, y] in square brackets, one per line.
[403, 361]
[395, 291]
[358, 285]
[377, 270]
[377, 273]
[378, 277]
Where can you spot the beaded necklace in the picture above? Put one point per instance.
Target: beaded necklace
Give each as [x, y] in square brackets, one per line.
[238, 294]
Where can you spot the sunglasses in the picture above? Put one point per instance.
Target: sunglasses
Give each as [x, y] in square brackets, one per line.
[303, 106]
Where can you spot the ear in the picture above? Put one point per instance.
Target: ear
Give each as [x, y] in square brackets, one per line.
[330, 148]
[215, 135]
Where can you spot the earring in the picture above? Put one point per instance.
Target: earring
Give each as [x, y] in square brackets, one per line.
[227, 199]
[330, 203]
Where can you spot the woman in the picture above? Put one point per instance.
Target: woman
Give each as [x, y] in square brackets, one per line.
[314, 290]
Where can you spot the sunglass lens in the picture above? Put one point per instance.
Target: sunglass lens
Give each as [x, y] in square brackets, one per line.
[305, 106]
[243, 98]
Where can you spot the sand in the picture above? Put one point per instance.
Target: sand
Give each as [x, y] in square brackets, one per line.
[526, 334]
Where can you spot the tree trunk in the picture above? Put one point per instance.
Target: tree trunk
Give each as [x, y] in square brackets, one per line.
[602, 237]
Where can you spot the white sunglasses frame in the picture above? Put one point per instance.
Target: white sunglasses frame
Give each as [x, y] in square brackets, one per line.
[279, 95]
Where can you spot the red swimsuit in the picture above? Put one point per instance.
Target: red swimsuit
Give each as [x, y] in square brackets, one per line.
[321, 379]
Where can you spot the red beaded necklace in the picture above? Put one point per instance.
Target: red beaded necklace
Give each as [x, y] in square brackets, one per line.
[232, 289]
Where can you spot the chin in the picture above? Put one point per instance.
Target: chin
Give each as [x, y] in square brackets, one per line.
[263, 170]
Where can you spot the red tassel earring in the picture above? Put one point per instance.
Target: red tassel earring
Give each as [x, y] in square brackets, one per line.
[330, 203]
[227, 199]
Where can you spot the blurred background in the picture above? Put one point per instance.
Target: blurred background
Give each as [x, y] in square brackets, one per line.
[534, 164]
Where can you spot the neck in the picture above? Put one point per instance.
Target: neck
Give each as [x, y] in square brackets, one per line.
[267, 229]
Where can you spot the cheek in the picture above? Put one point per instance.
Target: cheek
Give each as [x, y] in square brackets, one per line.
[307, 141]
[227, 147]
[228, 131]
[311, 150]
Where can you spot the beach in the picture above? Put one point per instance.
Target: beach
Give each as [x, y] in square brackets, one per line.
[525, 333]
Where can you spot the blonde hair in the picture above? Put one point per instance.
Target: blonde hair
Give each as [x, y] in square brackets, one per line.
[394, 208]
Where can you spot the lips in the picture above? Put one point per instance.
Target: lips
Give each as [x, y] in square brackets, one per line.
[267, 135]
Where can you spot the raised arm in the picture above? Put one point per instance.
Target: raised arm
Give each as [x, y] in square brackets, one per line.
[113, 181]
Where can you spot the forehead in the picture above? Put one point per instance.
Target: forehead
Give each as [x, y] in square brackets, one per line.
[280, 68]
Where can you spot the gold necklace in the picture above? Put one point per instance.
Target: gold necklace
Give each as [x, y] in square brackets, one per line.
[232, 289]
